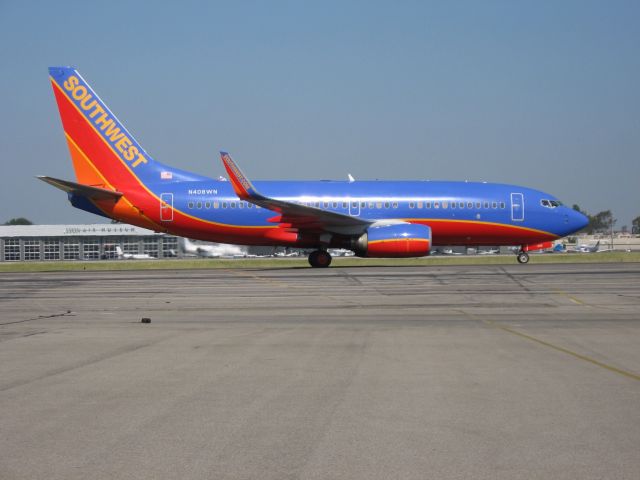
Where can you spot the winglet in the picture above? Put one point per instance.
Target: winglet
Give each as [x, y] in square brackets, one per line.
[241, 184]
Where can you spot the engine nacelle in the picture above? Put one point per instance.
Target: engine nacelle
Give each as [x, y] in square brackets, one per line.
[394, 241]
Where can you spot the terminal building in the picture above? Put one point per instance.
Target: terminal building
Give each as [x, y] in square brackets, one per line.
[82, 242]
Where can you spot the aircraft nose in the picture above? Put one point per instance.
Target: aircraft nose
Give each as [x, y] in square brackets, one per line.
[577, 220]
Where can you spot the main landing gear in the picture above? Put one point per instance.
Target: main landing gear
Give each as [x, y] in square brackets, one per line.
[523, 257]
[319, 259]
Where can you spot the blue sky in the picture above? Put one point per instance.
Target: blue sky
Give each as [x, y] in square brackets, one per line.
[542, 94]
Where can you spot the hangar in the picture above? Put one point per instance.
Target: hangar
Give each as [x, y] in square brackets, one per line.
[82, 242]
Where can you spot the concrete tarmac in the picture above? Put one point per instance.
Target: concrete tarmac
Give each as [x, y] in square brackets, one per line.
[483, 372]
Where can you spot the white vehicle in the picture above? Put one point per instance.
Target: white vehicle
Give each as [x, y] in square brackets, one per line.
[132, 256]
[213, 251]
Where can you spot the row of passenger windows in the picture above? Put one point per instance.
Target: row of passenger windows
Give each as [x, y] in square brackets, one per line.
[363, 205]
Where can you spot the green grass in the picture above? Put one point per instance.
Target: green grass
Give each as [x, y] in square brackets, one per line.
[189, 264]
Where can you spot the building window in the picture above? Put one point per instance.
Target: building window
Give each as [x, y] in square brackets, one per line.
[131, 246]
[169, 246]
[51, 250]
[150, 246]
[109, 251]
[91, 251]
[12, 249]
[70, 251]
[32, 249]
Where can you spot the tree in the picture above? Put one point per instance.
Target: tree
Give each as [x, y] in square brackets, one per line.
[19, 221]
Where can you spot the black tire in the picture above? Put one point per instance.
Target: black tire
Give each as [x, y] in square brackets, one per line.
[319, 259]
[523, 257]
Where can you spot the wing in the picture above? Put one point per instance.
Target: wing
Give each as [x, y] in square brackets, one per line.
[292, 215]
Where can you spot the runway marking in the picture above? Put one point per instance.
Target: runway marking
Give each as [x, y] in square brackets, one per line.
[572, 298]
[579, 356]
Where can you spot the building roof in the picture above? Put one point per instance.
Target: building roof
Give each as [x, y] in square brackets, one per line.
[95, 230]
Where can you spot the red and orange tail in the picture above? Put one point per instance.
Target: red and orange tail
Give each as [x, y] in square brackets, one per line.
[103, 151]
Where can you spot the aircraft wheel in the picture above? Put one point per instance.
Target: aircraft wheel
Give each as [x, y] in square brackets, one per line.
[319, 259]
[523, 257]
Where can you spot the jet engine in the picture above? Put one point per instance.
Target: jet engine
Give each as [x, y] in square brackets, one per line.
[394, 241]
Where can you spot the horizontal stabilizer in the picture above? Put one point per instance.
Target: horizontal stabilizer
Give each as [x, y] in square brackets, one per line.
[95, 193]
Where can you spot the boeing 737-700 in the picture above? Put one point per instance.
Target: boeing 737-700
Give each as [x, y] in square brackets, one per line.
[118, 179]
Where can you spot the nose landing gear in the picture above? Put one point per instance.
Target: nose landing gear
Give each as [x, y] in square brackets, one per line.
[319, 259]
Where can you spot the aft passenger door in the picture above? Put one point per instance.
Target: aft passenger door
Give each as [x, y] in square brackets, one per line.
[166, 207]
[517, 207]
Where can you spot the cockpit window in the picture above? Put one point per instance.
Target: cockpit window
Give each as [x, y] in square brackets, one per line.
[550, 203]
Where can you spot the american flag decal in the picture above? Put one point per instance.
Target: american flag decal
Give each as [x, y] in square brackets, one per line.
[166, 175]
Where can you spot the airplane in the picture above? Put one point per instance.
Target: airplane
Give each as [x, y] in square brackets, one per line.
[491, 251]
[132, 256]
[589, 248]
[212, 251]
[118, 179]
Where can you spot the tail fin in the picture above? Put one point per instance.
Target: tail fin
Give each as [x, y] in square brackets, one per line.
[103, 152]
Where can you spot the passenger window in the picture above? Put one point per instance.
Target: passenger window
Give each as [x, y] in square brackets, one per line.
[216, 204]
[486, 204]
[199, 205]
[386, 204]
[190, 205]
[478, 205]
[470, 205]
[502, 205]
[207, 204]
[378, 204]
[345, 204]
[436, 204]
[494, 205]
[445, 204]
[395, 204]
[363, 204]
[326, 204]
[420, 204]
[453, 204]
[428, 204]
[461, 205]
[224, 204]
[371, 204]
[412, 205]
[240, 204]
[249, 205]
[232, 204]
[354, 204]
